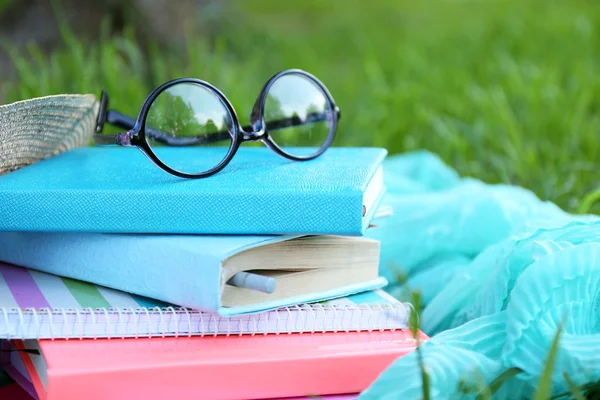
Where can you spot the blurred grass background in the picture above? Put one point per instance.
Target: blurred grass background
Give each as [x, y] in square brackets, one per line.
[503, 90]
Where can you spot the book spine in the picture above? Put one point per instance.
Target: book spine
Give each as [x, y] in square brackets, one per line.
[262, 367]
[281, 212]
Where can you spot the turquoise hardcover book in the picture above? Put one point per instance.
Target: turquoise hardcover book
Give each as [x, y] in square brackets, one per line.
[195, 271]
[116, 190]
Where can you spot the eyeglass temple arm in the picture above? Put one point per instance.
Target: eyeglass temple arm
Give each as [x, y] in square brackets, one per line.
[122, 121]
[113, 118]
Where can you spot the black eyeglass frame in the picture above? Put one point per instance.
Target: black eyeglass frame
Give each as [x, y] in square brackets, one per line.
[258, 130]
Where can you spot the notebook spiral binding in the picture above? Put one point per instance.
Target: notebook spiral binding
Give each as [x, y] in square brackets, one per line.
[128, 322]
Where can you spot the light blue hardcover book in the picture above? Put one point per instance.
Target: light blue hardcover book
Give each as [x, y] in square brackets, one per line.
[113, 190]
[193, 271]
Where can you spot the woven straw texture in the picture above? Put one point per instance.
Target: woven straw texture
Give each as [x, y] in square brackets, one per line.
[35, 129]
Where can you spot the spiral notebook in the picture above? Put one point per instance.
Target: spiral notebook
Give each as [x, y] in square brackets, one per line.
[37, 305]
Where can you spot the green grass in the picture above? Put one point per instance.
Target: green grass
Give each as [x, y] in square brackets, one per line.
[505, 91]
[544, 388]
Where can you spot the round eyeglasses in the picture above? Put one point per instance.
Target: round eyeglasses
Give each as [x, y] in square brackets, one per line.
[294, 115]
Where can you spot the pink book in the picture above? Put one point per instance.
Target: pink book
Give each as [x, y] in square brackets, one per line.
[216, 367]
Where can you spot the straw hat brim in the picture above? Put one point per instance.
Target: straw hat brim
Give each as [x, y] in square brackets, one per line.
[35, 129]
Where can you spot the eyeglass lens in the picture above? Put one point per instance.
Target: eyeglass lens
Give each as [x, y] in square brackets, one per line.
[298, 115]
[188, 114]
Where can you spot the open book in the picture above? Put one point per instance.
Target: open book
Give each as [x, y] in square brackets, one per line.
[301, 265]
[195, 271]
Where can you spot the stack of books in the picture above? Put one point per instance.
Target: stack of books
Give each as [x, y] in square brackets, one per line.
[257, 282]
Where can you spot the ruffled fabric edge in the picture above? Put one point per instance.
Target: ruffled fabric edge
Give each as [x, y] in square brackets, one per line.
[564, 284]
[468, 354]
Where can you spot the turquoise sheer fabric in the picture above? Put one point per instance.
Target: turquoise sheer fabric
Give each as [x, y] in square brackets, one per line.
[467, 354]
[498, 270]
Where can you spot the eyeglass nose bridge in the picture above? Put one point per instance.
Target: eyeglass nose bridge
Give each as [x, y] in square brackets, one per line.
[253, 136]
